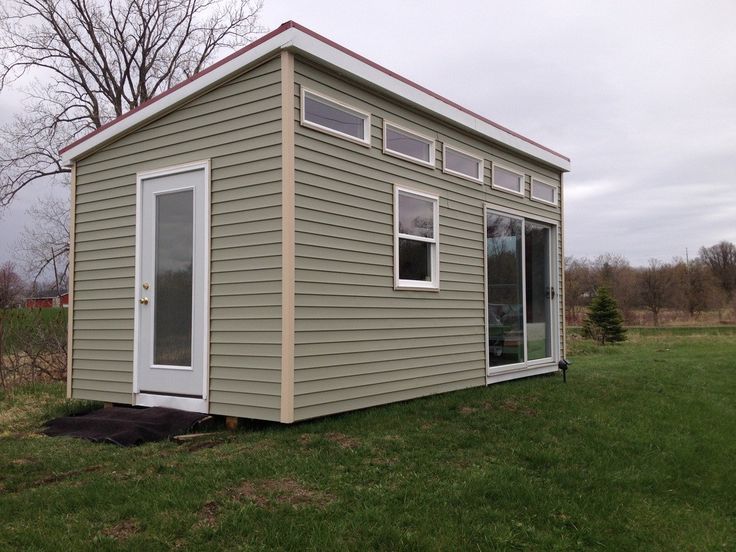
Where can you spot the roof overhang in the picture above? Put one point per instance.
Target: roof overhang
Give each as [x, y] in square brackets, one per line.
[293, 36]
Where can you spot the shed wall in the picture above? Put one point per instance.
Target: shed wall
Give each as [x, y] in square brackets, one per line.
[238, 127]
[359, 342]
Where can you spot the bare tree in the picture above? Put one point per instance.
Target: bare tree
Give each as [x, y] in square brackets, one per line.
[43, 246]
[96, 59]
[615, 273]
[721, 259]
[656, 287]
[579, 287]
[11, 286]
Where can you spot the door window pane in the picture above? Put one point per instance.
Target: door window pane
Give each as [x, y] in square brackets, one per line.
[173, 283]
[538, 290]
[505, 299]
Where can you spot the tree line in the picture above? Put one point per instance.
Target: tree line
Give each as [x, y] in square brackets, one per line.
[682, 289]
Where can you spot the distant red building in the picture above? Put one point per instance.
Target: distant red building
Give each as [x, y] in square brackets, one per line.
[47, 302]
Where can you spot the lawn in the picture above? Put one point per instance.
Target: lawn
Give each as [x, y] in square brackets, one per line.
[635, 452]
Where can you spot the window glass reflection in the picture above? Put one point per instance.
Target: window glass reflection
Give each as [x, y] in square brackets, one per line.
[173, 288]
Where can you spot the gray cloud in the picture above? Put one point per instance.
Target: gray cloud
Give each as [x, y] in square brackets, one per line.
[641, 96]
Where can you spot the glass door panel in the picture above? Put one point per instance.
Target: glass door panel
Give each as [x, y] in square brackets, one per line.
[172, 343]
[538, 290]
[504, 250]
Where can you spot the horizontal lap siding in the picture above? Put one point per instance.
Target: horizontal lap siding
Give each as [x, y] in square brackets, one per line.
[238, 127]
[359, 342]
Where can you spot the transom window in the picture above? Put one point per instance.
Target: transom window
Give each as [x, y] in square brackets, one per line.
[507, 179]
[462, 164]
[408, 145]
[546, 193]
[416, 238]
[333, 117]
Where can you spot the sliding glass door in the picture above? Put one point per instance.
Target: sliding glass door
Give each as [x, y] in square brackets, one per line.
[520, 291]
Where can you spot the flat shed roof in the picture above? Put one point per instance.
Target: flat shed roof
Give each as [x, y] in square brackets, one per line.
[292, 36]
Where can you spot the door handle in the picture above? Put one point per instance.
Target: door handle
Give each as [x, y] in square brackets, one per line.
[143, 301]
[550, 293]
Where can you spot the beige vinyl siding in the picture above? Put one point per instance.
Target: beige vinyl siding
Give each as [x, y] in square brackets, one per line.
[359, 342]
[238, 127]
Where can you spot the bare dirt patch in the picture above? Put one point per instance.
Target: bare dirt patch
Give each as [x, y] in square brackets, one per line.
[270, 493]
[123, 530]
[204, 443]
[467, 410]
[306, 439]
[63, 476]
[208, 514]
[511, 405]
[343, 440]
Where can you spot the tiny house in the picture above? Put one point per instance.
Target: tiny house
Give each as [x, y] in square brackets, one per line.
[297, 231]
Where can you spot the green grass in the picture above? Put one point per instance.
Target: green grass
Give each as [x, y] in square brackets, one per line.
[635, 452]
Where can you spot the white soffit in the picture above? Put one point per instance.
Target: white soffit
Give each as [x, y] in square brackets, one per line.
[312, 46]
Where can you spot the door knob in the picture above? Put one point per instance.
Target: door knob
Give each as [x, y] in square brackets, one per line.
[143, 301]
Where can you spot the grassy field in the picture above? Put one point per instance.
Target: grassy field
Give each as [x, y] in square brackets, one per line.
[635, 452]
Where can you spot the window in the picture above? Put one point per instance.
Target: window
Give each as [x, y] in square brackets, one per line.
[408, 145]
[507, 179]
[335, 118]
[416, 238]
[546, 193]
[462, 164]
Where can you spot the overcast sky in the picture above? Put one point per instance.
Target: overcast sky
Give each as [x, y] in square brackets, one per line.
[640, 95]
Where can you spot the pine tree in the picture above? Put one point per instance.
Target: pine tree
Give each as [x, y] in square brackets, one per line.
[604, 322]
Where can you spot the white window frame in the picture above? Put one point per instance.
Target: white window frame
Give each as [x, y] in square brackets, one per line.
[342, 107]
[546, 182]
[481, 163]
[413, 134]
[434, 283]
[521, 193]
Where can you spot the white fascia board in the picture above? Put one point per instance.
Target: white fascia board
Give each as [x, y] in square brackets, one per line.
[279, 41]
[345, 62]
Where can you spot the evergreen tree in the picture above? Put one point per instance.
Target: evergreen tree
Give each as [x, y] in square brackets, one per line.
[604, 322]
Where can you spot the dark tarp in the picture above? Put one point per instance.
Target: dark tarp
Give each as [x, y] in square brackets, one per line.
[125, 426]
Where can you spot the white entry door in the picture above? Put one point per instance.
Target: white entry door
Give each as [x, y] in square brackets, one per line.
[171, 282]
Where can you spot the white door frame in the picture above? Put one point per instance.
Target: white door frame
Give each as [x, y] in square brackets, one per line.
[173, 401]
[537, 366]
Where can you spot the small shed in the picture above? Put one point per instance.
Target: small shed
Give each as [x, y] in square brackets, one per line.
[297, 231]
[47, 301]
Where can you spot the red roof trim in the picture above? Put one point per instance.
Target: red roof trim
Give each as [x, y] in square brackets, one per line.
[293, 24]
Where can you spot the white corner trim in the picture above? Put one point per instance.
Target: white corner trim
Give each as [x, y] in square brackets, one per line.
[293, 38]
